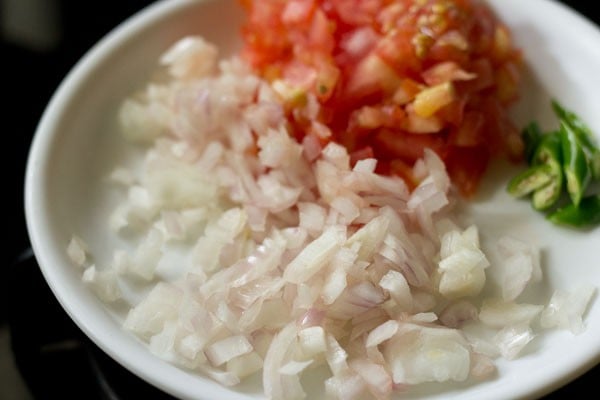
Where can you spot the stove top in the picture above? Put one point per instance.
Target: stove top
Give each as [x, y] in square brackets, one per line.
[54, 357]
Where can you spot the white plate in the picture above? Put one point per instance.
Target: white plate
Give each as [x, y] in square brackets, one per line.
[76, 142]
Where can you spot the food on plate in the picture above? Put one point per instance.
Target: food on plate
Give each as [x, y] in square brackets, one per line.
[393, 77]
[258, 255]
[252, 236]
[563, 160]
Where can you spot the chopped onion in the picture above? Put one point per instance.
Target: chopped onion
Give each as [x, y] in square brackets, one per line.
[312, 340]
[382, 333]
[104, 283]
[190, 57]
[566, 309]
[149, 316]
[315, 255]
[245, 365]
[77, 251]
[512, 339]
[225, 350]
[422, 354]
[499, 314]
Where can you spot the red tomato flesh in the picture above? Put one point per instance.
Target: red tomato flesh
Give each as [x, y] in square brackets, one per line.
[393, 77]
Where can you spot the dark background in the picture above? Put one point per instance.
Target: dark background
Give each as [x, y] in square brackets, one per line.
[31, 71]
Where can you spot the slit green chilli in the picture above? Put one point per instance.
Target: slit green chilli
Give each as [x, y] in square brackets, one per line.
[563, 161]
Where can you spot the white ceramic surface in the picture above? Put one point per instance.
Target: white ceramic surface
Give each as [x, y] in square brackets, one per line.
[76, 142]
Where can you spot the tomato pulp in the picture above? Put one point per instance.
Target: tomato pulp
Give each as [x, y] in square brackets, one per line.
[389, 78]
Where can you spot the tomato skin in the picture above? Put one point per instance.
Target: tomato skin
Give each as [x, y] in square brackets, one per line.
[393, 77]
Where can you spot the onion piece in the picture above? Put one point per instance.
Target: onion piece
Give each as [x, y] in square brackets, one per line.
[77, 250]
[566, 308]
[103, 282]
[245, 365]
[227, 349]
[382, 333]
[272, 383]
[190, 57]
[148, 317]
[420, 354]
[315, 255]
[499, 314]
[512, 339]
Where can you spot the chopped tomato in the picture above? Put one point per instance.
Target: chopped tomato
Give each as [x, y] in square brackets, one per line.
[404, 170]
[469, 133]
[393, 77]
[466, 166]
[408, 147]
[361, 154]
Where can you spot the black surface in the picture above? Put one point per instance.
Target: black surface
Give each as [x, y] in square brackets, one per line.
[56, 360]
[29, 77]
[59, 354]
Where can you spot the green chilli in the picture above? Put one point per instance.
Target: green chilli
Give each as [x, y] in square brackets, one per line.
[576, 166]
[586, 214]
[584, 135]
[546, 196]
[563, 165]
[548, 150]
[532, 135]
[530, 180]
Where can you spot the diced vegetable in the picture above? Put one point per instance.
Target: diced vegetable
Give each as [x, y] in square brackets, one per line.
[546, 196]
[587, 213]
[568, 154]
[384, 72]
[532, 135]
[530, 180]
[576, 164]
[583, 134]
